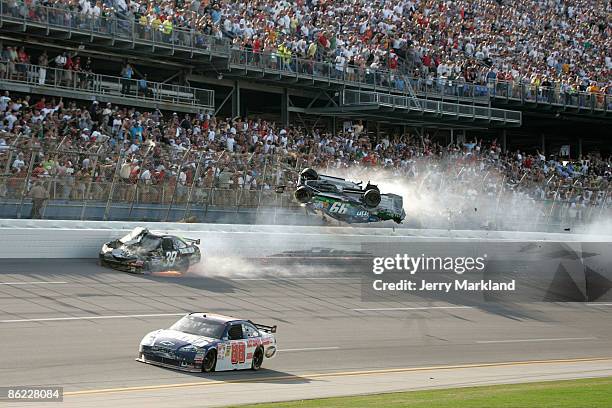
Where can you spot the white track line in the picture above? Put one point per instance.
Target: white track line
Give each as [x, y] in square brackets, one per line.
[390, 309]
[599, 304]
[309, 349]
[33, 283]
[59, 319]
[535, 340]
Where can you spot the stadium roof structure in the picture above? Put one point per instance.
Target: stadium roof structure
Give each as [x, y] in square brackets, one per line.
[408, 110]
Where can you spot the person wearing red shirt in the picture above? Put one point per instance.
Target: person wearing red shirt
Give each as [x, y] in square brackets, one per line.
[40, 105]
[22, 60]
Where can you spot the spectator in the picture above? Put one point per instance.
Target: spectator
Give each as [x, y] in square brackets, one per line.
[126, 82]
[43, 62]
[39, 195]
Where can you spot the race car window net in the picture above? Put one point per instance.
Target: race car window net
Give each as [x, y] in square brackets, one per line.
[235, 332]
[200, 327]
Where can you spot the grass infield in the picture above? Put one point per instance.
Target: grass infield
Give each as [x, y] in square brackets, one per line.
[584, 393]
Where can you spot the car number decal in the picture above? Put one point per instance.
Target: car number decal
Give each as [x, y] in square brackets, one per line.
[171, 257]
[338, 207]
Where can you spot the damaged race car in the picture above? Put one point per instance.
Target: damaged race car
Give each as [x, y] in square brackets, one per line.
[347, 201]
[142, 251]
[203, 342]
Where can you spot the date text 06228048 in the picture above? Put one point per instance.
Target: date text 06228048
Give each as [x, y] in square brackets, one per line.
[30, 393]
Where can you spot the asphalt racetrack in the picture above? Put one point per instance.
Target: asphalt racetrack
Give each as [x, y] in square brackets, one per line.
[75, 324]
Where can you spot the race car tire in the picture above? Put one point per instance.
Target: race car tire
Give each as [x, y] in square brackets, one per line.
[302, 194]
[371, 198]
[258, 357]
[183, 266]
[210, 362]
[372, 187]
[309, 174]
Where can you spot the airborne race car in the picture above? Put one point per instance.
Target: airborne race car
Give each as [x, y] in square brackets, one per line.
[141, 251]
[347, 201]
[202, 342]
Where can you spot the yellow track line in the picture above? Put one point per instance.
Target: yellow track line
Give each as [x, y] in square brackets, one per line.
[335, 374]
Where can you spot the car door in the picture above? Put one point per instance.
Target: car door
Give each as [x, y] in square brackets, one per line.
[238, 347]
[170, 253]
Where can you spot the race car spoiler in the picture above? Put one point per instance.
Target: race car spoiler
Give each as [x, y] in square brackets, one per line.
[197, 241]
[267, 329]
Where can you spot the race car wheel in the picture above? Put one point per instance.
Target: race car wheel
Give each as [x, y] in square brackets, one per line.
[258, 357]
[209, 362]
[309, 174]
[372, 187]
[302, 194]
[371, 198]
[182, 266]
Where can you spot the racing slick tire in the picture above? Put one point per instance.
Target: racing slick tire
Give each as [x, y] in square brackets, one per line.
[258, 357]
[372, 187]
[309, 174]
[302, 194]
[210, 362]
[371, 198]
[183, 266]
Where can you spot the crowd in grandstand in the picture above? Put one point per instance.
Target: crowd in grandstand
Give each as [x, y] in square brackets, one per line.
[553, 43]
[86, 149]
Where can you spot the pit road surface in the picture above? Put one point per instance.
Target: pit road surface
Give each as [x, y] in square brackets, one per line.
[74, 324]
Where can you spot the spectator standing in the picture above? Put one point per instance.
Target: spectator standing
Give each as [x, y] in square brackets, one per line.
[39, 195]
[43, 62]
[126, 82]
[143, 86]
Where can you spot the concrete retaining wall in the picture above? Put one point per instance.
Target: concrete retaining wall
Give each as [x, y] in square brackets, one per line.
[83, 239]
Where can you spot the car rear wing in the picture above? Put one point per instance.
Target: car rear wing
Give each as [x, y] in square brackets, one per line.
[264, 328]
[196, 241]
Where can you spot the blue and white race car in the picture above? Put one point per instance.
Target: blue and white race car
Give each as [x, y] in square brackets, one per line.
[203, 342]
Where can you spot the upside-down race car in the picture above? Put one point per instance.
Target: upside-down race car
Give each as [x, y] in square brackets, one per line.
[203, 342]
[141, 251]
[347, 201]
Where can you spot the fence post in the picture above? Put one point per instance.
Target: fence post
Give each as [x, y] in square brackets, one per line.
[112, 188]
[135, 198]
[176, 183]
[27, 181]
[193, 182]
[88, 191]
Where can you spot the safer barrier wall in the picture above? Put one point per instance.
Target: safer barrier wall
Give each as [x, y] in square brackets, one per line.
[83, 239]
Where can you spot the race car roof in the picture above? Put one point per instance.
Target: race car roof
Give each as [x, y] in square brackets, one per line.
[213, 316]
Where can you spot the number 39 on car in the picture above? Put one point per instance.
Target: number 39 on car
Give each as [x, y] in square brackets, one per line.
[203, 342]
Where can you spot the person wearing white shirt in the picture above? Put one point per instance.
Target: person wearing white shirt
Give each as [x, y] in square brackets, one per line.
[11, 119]
[146, 176]
[229, 143]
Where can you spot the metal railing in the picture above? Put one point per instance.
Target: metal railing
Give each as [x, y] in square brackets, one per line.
[129, 32]
[557, 96]
[438, 107]
[107, 85]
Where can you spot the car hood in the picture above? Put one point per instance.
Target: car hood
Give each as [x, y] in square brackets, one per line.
[174, 340]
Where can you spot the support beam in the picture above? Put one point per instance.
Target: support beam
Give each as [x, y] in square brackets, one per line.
[236, 99]
[504, 140]
[285, 108]
[579, 147]
[543, 144]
